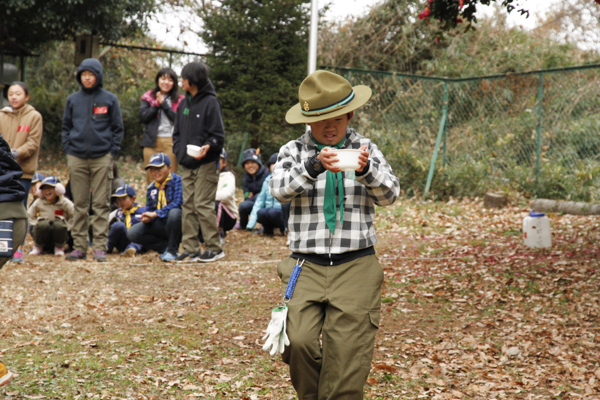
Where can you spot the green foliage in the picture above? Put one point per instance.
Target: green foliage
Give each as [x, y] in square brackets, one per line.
[257, 54]
[30, 23]
[128, 74]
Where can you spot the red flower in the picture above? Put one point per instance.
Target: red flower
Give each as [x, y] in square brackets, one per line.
[426, 12]
[461, 3]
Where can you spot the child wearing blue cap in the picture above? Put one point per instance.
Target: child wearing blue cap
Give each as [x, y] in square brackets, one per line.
[128, 214]
[161, 228]
[51, 217]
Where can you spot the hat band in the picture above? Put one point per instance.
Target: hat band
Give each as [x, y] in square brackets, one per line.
[328, 109]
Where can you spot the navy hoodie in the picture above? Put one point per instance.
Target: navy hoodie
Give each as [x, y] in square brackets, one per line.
[199, 121]
[92, 122]
[10, 172]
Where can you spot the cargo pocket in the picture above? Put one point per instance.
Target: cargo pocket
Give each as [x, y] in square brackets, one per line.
[374, 316]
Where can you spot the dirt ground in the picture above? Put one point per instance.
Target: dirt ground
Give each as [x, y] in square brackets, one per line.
[468, 312]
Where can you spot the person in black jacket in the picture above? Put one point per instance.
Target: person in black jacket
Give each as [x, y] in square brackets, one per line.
[199, 123]
[254, 176]
[92, 132]
[157, 112]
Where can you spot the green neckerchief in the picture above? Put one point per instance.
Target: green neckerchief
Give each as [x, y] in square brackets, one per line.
[329, 206]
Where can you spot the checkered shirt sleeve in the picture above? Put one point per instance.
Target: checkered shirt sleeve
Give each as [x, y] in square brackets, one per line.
[307, 228]
[173, 192]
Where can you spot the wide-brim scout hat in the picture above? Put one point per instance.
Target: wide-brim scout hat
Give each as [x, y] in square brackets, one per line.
[323, 95]
[158, 160]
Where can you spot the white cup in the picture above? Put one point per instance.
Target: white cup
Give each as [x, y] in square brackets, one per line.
[193, 150]
[348, 159]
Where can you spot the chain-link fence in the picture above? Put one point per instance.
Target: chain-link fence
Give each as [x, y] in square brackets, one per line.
[536, 132]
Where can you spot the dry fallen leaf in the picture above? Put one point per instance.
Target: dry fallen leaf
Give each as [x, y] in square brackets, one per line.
[372, 381]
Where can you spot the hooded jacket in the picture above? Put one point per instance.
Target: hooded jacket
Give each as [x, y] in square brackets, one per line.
[12, 192]
[10, 172]
[199, 121]
[92, 122]
[23, 129]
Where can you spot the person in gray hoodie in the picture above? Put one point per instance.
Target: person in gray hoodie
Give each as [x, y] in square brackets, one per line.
[91, 137]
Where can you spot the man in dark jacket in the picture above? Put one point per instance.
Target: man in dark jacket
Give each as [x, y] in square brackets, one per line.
[91, 137]
[199, 123]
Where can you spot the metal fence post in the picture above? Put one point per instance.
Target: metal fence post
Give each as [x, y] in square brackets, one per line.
[439, 139]
[539, 130]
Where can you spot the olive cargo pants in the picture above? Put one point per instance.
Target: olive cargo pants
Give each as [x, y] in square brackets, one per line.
[342, 302]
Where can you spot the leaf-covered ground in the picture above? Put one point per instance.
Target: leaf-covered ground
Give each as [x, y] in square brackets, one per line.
[469, 312]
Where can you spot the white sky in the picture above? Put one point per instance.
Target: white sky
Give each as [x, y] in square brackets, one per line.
[168, 31]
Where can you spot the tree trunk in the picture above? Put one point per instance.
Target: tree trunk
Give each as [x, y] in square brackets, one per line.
[495, 200]
[566, 207]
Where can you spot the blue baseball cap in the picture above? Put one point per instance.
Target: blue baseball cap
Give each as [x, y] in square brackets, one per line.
[38, 177]
[158, 160]
[124, 190]
[50, 181]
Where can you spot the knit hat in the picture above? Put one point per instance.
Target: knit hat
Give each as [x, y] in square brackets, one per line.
[251, 155]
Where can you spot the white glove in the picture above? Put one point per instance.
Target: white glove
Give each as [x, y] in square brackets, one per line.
[275, 335]
[283, 337]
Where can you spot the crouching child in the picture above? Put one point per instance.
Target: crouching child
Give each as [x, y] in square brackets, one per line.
[127, 215]
[51, 216]
[161, 227]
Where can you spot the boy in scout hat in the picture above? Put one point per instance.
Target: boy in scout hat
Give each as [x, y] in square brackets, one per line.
[338, 292]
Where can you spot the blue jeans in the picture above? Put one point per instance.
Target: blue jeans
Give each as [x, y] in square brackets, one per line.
[245, 208]
[117, 238]
[160, 234]
[271, 218]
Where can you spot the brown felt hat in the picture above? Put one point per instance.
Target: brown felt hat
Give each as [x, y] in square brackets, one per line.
[325, 95]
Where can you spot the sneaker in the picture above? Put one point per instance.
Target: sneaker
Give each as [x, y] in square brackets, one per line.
[130, 252]
[211, 255]
[76, 255]
[168, 257]
[222, 241]
[59, 251]
[17, 257]
[5, 375]
[100, 255]
[36, 251]
[191, 257]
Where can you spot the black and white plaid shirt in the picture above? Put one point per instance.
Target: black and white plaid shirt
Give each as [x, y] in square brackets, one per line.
[307, 229]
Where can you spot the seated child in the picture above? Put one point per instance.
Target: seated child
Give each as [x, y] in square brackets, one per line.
[252, 183]
[225, 204]
[51, 216]
[267, 210]
[161, 227]
[128, 214]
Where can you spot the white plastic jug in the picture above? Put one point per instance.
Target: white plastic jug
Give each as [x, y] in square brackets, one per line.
[536, 230]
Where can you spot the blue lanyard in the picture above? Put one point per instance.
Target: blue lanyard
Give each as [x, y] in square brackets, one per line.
[292, 283]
